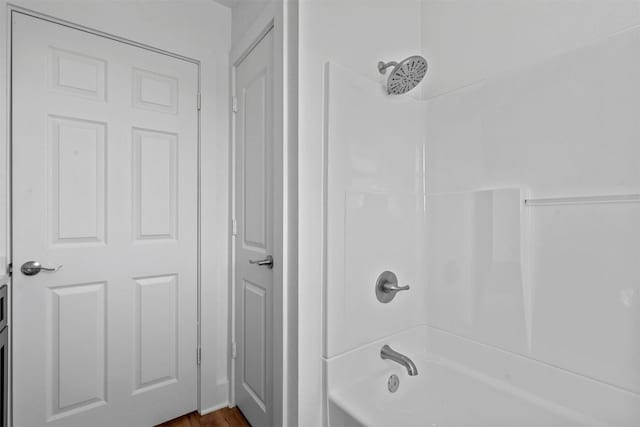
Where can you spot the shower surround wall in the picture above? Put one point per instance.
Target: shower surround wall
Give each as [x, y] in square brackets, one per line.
[543, 297]
[466, 42]
[375, 210]
[565, 127]
[356, 34]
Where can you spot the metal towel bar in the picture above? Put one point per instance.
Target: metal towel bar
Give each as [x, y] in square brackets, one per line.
[584, 200]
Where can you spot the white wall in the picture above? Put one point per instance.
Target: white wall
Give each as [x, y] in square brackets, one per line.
[355, 34]
[245, 14]
[469, 40]
[200, 29]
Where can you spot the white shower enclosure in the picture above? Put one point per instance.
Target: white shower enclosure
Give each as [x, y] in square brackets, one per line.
[510, 205]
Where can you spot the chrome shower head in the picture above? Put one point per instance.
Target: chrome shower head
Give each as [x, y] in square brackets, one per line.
[405, 75]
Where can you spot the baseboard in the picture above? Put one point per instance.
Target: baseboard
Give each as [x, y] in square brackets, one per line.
[214, 408]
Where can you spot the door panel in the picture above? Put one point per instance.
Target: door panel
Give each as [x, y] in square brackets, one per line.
[254, 372]
[155, 184]
[78, 74]
[104, 151]
[254, 213]
[156, 331]
[78, 185]
[79, 341]
[255, 167]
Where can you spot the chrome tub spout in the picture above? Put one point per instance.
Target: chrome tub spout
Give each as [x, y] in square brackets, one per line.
[389, 353]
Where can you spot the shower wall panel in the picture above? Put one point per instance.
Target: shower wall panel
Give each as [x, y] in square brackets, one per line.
[475, 278]
[374, 148]
[566, 130]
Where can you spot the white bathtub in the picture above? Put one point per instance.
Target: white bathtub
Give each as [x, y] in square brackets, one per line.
[442, 396]
[483, 387]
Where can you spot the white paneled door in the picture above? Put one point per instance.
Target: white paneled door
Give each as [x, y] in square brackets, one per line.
[105, 164]
[254, 238]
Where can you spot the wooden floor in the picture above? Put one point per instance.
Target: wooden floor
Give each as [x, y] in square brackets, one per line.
[226, 417]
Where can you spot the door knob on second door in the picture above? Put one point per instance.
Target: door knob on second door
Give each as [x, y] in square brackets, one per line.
[267, 262]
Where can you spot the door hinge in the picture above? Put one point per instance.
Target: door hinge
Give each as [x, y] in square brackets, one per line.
[10, 269]
[199, 102]
[234, 227]
[199, 355]
[234, 351]
[234, 104]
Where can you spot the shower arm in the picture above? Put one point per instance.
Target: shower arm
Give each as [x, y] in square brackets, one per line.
[382, 66]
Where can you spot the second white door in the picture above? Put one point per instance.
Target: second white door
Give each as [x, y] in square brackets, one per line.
[254, 240]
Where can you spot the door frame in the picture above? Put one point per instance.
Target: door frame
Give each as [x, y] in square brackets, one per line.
[281, 18]
[11, 9]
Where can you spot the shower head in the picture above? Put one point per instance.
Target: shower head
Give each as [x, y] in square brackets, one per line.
[405, 75]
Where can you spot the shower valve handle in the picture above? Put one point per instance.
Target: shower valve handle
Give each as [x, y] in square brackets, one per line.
[390, 287]
[387, 287]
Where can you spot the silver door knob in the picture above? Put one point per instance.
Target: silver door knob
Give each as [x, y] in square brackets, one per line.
[267, 262]
[31, 268]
